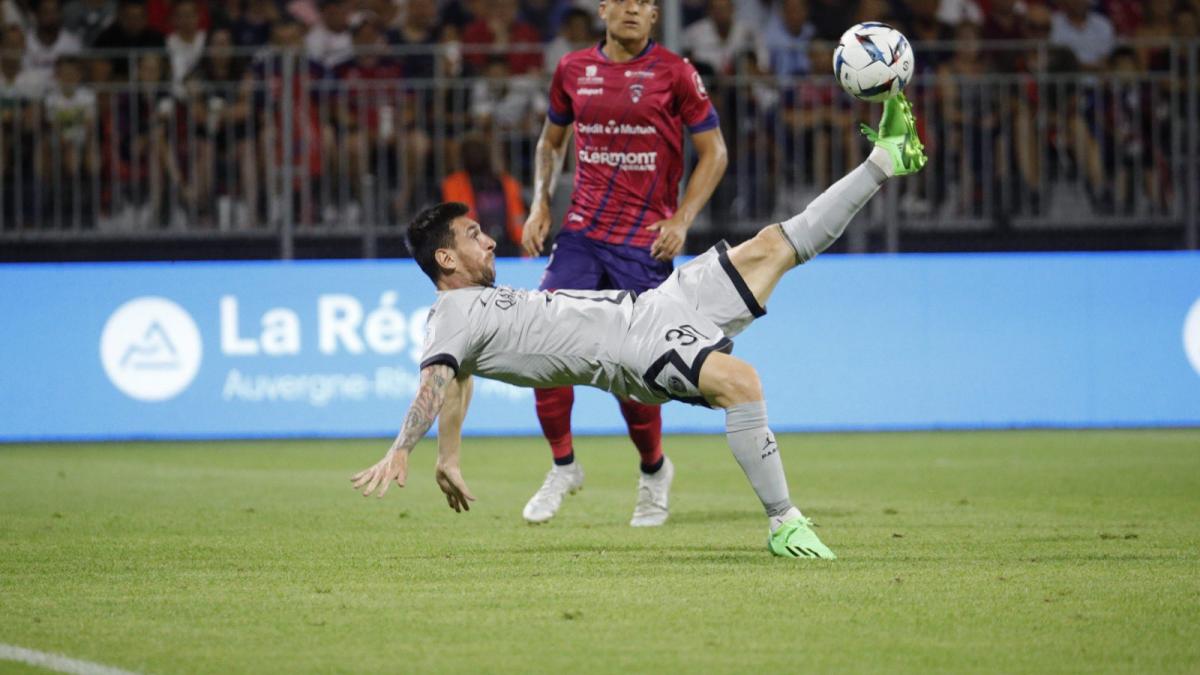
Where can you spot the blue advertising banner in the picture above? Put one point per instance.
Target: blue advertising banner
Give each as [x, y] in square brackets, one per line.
[215, 350]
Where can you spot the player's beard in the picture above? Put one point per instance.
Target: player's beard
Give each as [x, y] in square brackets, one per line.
[488, 275]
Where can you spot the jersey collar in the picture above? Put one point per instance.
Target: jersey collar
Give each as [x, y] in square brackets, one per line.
[600, 50]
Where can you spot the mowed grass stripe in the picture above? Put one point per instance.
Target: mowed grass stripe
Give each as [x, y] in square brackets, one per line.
[987, 552]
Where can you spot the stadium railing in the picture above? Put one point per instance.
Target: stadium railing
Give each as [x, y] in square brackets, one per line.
[1028, 153]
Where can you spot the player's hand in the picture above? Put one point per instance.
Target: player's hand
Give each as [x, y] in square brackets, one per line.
[450, 480]
[393, 467]
[533, 237]
[672, 233]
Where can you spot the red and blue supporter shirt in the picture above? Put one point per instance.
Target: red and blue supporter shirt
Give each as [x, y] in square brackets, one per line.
[629, 120]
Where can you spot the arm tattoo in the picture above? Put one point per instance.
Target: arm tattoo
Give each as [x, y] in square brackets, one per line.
[548, 163]
[425, 407]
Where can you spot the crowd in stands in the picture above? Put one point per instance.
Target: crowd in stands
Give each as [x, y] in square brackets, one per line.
[184, 131]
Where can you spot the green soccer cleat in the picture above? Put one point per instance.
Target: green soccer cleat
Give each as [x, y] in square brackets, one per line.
[795, 539]
[898, 135]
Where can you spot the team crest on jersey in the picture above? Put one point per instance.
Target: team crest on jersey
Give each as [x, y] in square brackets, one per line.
[636, 91]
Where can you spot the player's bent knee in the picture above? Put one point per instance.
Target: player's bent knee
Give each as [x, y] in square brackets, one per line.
[727, 381]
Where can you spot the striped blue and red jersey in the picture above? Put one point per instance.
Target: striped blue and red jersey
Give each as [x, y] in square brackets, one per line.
[629, 119]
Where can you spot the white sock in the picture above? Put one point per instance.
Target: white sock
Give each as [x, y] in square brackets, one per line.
[826, 217]
[883, 160]
[776, 521]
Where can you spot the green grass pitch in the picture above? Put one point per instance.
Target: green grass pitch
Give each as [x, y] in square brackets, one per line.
[960, 552]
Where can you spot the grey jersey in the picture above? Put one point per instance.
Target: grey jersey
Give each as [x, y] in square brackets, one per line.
[532, 338]
[649, 347]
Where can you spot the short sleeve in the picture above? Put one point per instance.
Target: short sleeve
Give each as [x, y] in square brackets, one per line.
[560, 111]
[447, 335]
[695, 109]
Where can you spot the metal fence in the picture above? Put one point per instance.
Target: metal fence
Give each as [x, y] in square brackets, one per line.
[284, 151]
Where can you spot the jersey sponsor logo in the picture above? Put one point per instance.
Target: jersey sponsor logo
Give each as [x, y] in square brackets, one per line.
[575, 218]
[699, 82]
[502, 298]
[625, 161]
[642, 74]
[590, 91]
[614, 129]
[636, 91]
[1191, 336]
[150, 349]
[589, 77]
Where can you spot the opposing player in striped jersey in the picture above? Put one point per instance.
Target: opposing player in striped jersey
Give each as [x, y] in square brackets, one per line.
[672, 342]
[627, 100]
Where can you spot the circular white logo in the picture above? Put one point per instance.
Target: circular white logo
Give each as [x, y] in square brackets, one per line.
[150, 349]
[1191, 336]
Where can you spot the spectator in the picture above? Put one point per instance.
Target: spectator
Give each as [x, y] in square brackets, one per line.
[1187, 23]
[506, 103]
[304, 146]
[954, 12]
[17, 83]
[366, 121]
[969, 118]
[755, 13]
[832, 17]
[419, 31]
[1157, 25]
[16, 13]
[546, 16]
[88, 18]
[719, 38]
[875, 10]
[131, 31]
[186, 44]
[387, 14]
[501, 31]
[787, 39]
[253, 27]
[19, 92]
[47, 42]
[329, 42]
[576, 33]
[461, 13]
[691, 11]
[228, 114]
[494, 197]
[139, 136]
[1087, 33]
[1125, 15]
[1004, 22]
[158, 15]
[923, 25]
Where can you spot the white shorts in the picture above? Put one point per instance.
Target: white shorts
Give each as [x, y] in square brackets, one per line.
[677, 325]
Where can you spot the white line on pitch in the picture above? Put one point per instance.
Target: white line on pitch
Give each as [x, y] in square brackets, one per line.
[56, 662]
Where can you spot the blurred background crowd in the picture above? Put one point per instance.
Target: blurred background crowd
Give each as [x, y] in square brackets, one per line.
[1050, 124]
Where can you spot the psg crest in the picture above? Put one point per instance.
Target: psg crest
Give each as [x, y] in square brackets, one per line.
[635, 92]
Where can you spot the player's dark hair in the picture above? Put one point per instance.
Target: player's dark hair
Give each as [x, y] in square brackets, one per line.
[429, 231]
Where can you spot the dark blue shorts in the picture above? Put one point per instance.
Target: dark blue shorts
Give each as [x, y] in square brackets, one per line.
[583, 264]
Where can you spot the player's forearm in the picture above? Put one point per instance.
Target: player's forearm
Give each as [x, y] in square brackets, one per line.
[425, 407]
[703, 181]
[450, 422]
[548, 164]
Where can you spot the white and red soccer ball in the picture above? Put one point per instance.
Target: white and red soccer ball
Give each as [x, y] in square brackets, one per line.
[873, 61]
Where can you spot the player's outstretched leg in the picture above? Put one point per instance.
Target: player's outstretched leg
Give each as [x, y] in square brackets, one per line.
[898, 151]
[730, 383]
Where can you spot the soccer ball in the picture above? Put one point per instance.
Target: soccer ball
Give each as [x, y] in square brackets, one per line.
[873, 61]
